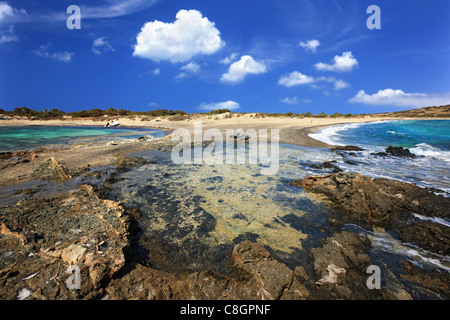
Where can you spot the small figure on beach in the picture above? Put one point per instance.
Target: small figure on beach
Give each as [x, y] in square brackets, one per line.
[107, 125]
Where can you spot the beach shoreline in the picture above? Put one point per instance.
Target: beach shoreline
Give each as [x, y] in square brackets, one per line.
[292, 130]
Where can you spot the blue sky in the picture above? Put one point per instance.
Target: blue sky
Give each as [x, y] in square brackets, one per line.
[250, 56]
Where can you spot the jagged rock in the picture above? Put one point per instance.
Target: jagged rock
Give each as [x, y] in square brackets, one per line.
[340, 267]
[433, 285]
[269, 276]
[51, 169]
[377, 201]
[260, 277]
[51, 234]
[400, 152]
[429, 235]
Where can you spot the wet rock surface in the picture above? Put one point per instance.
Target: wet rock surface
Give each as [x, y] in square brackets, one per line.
[376, 201]
[396, 206]
[400, 152]
[42, 239]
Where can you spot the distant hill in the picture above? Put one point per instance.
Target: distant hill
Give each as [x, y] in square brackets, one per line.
[427, 112]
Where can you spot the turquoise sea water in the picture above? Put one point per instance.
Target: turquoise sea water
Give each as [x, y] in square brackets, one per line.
[30, 137]
[424, 137]
[429, 140]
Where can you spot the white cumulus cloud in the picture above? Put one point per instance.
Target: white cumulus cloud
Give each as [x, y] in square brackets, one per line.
[399, 98]
[189, 35]
[238, 70]
[297, 78]
[310, 45]
[230, 105]
[343, 63]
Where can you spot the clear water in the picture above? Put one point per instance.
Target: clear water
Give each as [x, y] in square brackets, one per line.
[30, 137]
[178, 201]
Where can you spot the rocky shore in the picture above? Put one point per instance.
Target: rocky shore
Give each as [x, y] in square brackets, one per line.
[80, 244]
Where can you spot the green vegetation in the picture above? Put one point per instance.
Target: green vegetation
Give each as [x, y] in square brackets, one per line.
[55, 113]
[176, 115]
[218, 111]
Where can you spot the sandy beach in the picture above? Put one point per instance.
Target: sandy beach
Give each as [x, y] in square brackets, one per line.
[292, 130]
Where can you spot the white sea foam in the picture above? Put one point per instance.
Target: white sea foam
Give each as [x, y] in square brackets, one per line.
[396, 133]
[330, 135]
[442, 221]
[423, 149]
[420, 257]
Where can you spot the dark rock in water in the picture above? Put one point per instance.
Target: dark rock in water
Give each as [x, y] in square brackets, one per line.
[327, 165]
[428, 235]
[400, 152]
[240, 135]
[430, 285]
[376, 201]
[386, 203]
[347, 148]
[112, 178]
[5, 155]
[350, 162]
[380, 154]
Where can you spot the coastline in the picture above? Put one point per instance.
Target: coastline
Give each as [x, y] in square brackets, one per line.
[292, 130]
